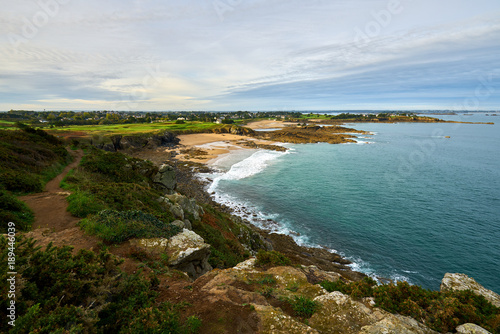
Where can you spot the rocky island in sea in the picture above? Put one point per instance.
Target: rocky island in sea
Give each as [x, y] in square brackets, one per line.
[150, 250]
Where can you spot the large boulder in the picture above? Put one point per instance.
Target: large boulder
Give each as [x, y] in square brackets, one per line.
[186, 251]
[464, 282]
[165, 179]
[471, 329]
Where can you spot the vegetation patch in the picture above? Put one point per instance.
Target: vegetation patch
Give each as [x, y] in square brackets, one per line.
[218, 230]
[441, 311]
[271, 258]
[29, 158]
[118, 226]
[83, 293]
[303, 307]
[113, 181]
[14, 210]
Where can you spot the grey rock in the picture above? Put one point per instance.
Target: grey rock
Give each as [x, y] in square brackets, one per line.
[471, 329]
[186, 251]
[179, 223]
[340, 313]
[187, 224]
[165, 179]
[188, 205]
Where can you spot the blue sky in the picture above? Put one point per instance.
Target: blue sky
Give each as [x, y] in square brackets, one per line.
[250, 54]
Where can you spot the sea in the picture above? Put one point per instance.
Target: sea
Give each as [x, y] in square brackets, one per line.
[407, 202]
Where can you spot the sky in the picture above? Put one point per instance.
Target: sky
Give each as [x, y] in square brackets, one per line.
[155, 55]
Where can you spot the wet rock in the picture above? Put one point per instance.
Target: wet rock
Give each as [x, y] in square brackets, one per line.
[464, 282]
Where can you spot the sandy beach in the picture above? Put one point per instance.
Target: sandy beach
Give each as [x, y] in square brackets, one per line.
[207, 147]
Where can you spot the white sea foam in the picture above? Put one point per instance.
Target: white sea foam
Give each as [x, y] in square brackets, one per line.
[252, 165]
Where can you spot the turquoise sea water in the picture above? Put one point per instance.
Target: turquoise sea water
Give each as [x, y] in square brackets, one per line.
[405, 203]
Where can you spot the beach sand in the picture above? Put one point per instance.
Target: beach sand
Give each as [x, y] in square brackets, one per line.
[207, 147]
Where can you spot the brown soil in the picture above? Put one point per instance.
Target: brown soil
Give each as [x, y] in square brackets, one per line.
[50, 206]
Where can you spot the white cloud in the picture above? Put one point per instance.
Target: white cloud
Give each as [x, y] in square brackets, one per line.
[103, 52]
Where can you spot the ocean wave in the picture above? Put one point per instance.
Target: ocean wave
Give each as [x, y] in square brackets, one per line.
[252, 165]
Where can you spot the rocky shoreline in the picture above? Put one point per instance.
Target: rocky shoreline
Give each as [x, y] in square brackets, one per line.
[190, 185]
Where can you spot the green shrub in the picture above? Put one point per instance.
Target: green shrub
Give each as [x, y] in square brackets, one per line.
[359, 289]
[21, 182]
[82, 293]
[29, 158]
[273, 258]
[117, 167]
[217, 229]
[118, 226]
[16, 211]
[82, 204]
[303, 307]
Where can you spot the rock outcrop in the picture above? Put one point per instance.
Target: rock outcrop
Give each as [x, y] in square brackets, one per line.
[165, 179]
[186, 251]
[271, 293]
[182, 206]
[471, 329]
[464, 282]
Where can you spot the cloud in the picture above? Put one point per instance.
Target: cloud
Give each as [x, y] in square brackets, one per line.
[254, 54]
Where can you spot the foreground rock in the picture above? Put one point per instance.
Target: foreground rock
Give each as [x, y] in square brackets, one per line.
[186, 251]
[271, 293]
[464, 282]
[471, 329]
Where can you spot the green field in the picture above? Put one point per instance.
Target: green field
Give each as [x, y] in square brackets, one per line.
[7, 125]
[135, 128]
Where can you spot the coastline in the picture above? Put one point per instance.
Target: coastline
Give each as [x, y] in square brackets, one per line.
[218, 146]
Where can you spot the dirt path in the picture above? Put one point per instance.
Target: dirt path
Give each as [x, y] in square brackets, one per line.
[50, 206]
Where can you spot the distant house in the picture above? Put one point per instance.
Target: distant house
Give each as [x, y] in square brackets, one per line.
[181, 118]
[218, 121]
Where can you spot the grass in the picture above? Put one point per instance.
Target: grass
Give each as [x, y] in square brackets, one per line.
[303, 307]
[271, 258]
[118, 226]
[29, 158]
[138, 128]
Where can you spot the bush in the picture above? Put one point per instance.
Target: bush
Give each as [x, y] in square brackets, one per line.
[21, 182]
[272, 258]
[117, 167]
[118, 226]
[217, 229]
[303, 307]
[29, 158]
[16, 211]
[82, 293]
